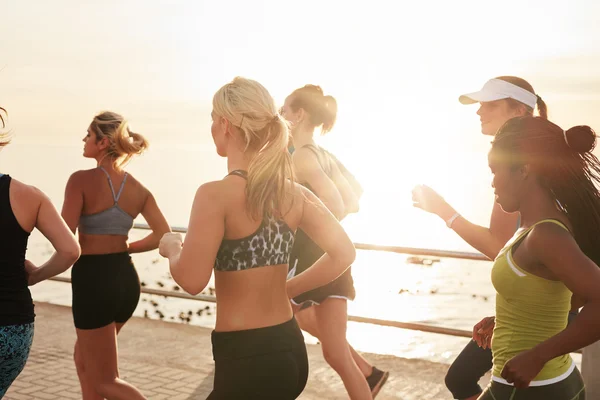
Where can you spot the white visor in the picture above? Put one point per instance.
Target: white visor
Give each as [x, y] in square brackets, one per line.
[497, 89]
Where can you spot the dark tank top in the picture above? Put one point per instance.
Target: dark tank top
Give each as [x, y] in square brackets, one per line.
[16, 305]
[306, 252]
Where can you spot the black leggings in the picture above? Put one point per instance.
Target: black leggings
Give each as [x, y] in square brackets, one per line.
[465, 372]
[469, 367]
[106, 289]
[264, 363]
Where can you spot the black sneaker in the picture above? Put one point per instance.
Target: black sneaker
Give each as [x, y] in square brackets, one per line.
[376, 380]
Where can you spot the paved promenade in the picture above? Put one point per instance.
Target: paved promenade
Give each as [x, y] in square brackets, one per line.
[174, 361]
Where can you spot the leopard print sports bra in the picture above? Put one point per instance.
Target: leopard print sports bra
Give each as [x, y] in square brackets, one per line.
[271, 244]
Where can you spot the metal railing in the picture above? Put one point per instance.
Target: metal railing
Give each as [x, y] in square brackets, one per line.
[361, 246]
[375, 321]
[415, 251]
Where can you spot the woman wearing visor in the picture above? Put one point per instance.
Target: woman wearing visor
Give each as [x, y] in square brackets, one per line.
[500, 99]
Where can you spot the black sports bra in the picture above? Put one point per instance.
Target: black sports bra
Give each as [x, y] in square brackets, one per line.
[271, 244]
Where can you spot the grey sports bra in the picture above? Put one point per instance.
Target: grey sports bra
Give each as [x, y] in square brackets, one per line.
[112, 221]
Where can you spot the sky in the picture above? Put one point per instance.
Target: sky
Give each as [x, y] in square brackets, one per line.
[396, 69]
[381, 59]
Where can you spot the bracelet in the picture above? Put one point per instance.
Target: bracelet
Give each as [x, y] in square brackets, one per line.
[451, 220]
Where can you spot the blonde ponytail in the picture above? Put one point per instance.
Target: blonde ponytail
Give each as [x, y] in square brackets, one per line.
[269, 173]
[123, 144]
[249, 106]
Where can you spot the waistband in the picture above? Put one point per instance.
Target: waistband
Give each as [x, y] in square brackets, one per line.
[253, 342]
[110, 256]
[24, 327]
[544, 382]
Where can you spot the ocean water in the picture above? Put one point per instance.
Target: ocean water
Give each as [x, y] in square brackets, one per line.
[451, 293]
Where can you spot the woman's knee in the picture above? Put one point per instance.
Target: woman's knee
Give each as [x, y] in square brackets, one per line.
[453, 380]
[77, 358]
[337, 356]
[460, 383]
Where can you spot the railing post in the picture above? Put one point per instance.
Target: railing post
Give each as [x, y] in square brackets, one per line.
[590, 369]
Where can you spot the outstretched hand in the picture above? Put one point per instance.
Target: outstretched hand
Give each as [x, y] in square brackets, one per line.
[427, 199]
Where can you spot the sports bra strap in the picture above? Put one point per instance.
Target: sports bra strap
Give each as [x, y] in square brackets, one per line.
[312, 148]
[112, 189]
[323, 157]
[239, 172]
[121, 188]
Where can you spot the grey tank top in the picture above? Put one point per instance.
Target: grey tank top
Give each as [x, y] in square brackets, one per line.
[112, 221]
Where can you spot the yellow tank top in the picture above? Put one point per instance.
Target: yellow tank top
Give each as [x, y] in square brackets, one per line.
[529, 310]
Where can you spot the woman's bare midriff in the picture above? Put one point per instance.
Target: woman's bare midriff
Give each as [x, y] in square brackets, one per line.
[250, 299]
[102, 244]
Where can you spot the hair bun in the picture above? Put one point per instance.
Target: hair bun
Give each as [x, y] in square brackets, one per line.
[315, 88]
[581, 138]
[329, 101]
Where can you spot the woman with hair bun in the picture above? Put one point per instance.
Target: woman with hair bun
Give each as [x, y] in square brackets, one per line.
[551, 178]
[500, 99]
[323, 312]
[102, 203]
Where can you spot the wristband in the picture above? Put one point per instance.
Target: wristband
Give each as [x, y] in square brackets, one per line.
[451, 220]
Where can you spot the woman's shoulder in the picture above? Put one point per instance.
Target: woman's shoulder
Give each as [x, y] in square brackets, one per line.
[25, 189]
[310, 158]
[215, 190]
[82, 175]
[89, 171]
[134, 181]
[306, 153]
[301, 192]
[546, 234]
[28, 193]
[139, 189]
